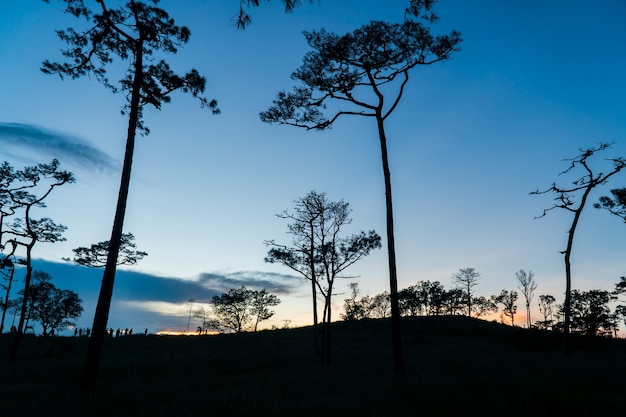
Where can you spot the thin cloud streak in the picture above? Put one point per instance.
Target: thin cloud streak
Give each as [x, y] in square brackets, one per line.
[281, 284]
[68, 150]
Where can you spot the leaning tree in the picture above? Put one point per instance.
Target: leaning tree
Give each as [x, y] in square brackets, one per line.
[134, 32]
[364, 73]
[573, 198]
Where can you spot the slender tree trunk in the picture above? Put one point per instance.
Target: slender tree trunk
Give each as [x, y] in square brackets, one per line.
[316, 346]
[27, 278]
[568, 272]
[96, 341]
[6, 300]
[396, 337]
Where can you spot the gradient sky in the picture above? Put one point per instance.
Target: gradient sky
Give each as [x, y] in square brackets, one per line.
[534, 82]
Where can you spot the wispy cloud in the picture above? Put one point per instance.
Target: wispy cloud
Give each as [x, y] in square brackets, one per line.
[18, 139]
[281, 284]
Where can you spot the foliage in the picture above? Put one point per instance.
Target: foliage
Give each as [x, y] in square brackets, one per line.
[466, 279]
[52, 307]
[591, 314]
[96, 255]
[615, 205]
[547, 309]
[242, 19]
[508, 300]
[237, 308]
[21, 191]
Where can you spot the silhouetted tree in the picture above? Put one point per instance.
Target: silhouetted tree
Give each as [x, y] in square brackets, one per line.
[52, 307]
[466, 279]
[358, 70]
[573, 199]
[527, 286]
[380, 306]
[508, 300]
[237, 308]
[591, 314]
[32, 185]
[319, 252]
[546, 308]
[261, 301]
[96, 255]
[454, 302]
[133, 32]
[482, 306]
[306, 219]
[355, 309]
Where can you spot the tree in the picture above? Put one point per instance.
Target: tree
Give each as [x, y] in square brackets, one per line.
[355, 309]
[546, 308]
[466, 279]
[358, 70]
[507, 299]
[615, 205]
[481, 306]
[237, 308]
[591, 314]
[380, 306]
[261, 301]
[7, 272]
[319, 252]
[133, 32]
[306, 219]
[566, 199]
[52, 307]
[453, 302]
[31, 186]
[96, 255]
[527, 286]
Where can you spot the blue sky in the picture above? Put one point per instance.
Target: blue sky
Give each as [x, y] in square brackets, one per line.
[534, 82]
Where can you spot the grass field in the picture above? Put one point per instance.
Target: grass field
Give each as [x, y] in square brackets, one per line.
[455, 366]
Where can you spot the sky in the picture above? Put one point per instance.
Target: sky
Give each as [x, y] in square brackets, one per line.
[533, 83]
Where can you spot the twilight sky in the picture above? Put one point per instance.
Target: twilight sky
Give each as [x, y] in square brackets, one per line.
[534, 82]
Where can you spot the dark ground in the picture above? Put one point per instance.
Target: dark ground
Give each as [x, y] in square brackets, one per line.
[455, 366]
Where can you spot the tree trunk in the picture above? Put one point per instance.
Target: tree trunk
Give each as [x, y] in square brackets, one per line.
[316, 346]
[96, 341]
[396, 338]
[20, 326]
[6, 300]
[568, 270]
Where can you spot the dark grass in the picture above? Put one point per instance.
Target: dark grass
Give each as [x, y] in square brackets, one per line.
[455, 366]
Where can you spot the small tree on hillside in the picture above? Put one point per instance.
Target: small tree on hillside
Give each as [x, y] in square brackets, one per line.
[573, 198]
[527, 286]
[466, 279]
[508, 300]
[319, 252]
[54, 308]
[238, 308]
[546, 308]
[364, 73]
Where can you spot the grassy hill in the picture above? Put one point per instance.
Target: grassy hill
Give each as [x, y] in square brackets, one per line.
[455, 366]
